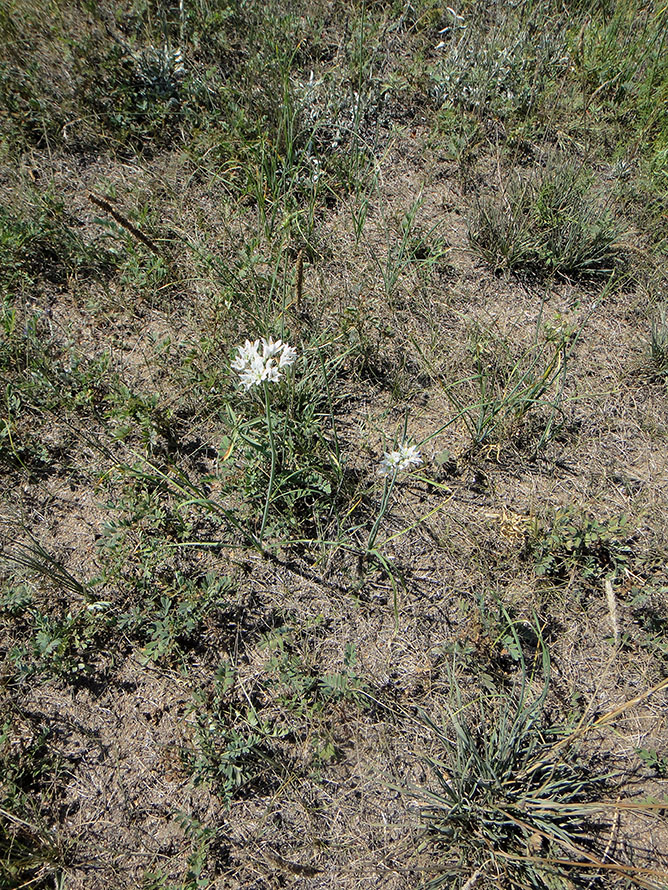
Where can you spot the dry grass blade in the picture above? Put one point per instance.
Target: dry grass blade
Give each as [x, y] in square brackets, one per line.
[608, 717]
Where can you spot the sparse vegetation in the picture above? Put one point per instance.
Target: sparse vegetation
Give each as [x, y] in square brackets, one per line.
[333, 355]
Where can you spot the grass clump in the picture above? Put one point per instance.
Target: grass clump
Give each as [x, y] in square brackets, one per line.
[30, 854]
[514, 396]
[549, 224]
[514, 804]
[658, 345]
[620, 54]
[29, 857]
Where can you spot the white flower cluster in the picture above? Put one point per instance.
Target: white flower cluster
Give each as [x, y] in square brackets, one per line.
[263, 360]
[400, 460]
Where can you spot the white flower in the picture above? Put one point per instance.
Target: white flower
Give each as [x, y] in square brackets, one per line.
[400, 460]
[271, 372]
[252, 373]
[262, 361]
[245, 355]
[288, 357]
[272, 348]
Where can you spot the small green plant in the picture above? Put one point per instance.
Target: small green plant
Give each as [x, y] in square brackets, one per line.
[259, 369]
[656, 761]
[658, 346]
[298, 682]
[395, 462]
[235, 745]
[44, 243]
[128, 410]
[64, 645]
[206, 844]
[169, 624]
[578, 545]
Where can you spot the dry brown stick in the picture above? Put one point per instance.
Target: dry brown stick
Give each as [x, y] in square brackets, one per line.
[473, 880]
[124, 222]
[612, 609]
[294, 868]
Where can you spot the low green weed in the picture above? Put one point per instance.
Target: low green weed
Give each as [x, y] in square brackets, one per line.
[161, 605]
[460, 137]
[298, 684]
[367, 335]
[235, 745]
[207, 845]
[647, 602]
[48, 641]
[159, 609]
[170, 625]
[657, 762]
[573, 544]
[492, 61]
[131, 414]
[63, 647]
[43, 243]
[296, 677]
[139, 93]
[42, 379]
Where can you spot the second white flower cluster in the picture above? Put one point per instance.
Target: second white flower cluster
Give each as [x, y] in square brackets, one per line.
[404, 458]
[263, 361]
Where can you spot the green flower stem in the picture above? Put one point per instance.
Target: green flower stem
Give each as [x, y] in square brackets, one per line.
[387, 491]
[272, 445]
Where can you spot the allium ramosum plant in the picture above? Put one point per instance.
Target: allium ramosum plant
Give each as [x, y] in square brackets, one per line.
[401, 460]
[262, 363]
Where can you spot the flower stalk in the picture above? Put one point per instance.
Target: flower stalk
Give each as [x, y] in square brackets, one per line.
[272, 469]
[262, 363]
